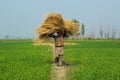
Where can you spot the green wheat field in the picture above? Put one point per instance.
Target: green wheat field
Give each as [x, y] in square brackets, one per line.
[88, 60]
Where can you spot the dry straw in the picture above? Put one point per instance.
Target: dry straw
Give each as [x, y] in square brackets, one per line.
[55, 23]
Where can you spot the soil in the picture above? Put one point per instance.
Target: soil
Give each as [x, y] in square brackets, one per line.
[59, 72]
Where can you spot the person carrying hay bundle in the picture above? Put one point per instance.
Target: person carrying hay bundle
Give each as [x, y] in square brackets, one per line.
[56, 27]
[58, 38]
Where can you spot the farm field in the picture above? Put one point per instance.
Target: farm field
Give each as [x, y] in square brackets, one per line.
[88, 60]
[94, 60]
[20, 60]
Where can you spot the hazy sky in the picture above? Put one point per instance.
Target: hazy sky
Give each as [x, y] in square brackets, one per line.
[19, 18]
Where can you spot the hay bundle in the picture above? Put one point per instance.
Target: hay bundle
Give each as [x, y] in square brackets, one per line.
[70, 27]
[55, 23]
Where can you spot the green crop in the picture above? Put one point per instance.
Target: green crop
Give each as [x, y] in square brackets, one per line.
[88, 60]
[93, 60]
[23, 61]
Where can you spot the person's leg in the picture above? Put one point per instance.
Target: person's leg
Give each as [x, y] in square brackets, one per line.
[60, 60]
[56, 55]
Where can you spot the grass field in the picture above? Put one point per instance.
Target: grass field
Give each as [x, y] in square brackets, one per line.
[88, 60]
[94, 60]
[19, 60]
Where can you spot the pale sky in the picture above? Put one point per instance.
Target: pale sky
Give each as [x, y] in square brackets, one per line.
[20, 18]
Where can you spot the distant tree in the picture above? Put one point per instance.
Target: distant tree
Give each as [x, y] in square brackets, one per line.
[7, 37]
[76, 35]
[75, 20]
[119, 35]
[93, 34]
[113, 33]
[108, 33]
[83, 30]
[105, 35]
[101, 32]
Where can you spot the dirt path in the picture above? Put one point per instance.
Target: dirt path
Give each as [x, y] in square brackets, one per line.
[59, 73]
[62, 72]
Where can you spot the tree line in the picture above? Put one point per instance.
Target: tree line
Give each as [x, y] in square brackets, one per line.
[109, 33]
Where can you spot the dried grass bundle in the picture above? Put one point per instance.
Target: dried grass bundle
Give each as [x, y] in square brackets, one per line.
[55, 23]
[70, 27]
[54, 19]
